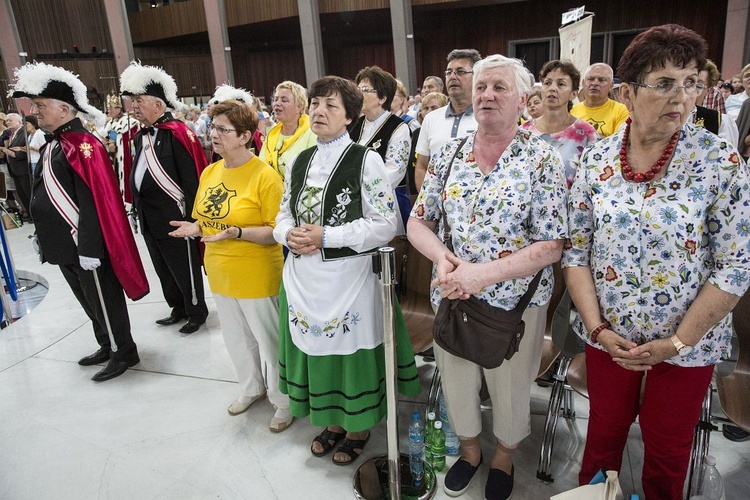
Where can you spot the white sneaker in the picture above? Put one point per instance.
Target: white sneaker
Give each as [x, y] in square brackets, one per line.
[281, 420]
[243, 403]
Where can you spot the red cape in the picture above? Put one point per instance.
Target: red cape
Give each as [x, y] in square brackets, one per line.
[91, 162]
[127, 160]
[189, 141]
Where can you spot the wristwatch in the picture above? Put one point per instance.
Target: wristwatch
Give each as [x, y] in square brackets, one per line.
[682, 349]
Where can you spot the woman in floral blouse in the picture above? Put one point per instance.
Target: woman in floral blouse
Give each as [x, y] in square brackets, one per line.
[505, 202]
[337, 208]
[568, 134]
[660, 234]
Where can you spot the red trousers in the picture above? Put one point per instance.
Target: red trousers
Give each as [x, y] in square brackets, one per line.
[668, 413]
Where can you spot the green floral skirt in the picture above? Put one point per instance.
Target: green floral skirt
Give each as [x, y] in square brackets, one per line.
[346, 390]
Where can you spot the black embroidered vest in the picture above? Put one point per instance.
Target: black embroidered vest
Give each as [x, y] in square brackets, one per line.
[710, 119]
[342, 194]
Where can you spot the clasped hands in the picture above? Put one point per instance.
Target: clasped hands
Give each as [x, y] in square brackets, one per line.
[305, 239]
[458, 279]
[632, 356]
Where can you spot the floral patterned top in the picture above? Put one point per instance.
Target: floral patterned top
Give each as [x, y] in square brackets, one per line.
[570, 143]
[491, 216]
[652, 246]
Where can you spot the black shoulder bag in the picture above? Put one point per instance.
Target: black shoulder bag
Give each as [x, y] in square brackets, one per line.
[474, 330]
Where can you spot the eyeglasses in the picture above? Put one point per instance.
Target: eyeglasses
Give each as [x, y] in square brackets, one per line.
[368, 90]
[459, 72]
[219, 129]
[665, 89]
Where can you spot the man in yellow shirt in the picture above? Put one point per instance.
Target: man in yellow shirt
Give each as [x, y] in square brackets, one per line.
[604, 114]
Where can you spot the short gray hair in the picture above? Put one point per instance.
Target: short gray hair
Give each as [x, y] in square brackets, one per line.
[471, 54]
[610, 71]
[520, 73]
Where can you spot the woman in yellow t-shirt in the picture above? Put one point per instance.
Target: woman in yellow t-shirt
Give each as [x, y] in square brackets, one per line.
[235, 210]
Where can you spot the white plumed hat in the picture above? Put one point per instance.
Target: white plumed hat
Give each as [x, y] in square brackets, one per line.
[39, 79]
[149, 80]
[226, 92]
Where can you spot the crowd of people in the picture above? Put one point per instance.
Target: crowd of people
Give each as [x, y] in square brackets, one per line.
[642, 197]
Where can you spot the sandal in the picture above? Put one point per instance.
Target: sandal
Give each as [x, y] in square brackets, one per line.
[348, 446]
[327, 440]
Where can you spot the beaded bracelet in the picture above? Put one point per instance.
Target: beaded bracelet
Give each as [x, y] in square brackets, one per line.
[596, 331]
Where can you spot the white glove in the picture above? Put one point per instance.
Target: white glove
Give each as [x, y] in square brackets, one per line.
[35, 245]
[89, 263]
[133, 222]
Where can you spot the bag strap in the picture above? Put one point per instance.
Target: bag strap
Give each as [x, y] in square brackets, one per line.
[446, 228]
[526, 298]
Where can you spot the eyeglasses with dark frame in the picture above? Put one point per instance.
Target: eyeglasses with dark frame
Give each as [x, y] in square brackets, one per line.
[367, 90]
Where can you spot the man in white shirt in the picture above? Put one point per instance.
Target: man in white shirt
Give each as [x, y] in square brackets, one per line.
[454, 120]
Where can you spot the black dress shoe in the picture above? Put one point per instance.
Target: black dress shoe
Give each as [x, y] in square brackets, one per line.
[190, 327]
[114, 369]
[169, 320]
[98, 357]
[734, 433]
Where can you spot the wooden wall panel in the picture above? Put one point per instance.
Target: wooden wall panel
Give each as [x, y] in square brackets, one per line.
[260, 72]
[241, 12]
[178, 19]
[489, 29]
[49, 26]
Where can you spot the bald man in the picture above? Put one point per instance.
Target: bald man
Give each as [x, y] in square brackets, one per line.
[604, 114]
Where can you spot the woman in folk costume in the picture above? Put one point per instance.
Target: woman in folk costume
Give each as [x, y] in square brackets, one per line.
[226, 92]
[337, 208]
[292, 134]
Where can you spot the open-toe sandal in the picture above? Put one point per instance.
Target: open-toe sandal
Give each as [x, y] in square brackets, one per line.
[327, 440]
[348, 446]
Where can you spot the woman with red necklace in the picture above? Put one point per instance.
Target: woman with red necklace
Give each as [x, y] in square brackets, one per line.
[658, 258]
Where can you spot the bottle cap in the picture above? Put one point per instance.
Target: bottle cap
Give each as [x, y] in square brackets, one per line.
[431, 415]
[415, 415]
[709, 460]
[438, 424]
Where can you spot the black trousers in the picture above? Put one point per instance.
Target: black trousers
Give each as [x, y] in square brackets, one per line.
[84, 288]
[171, 264]
[23, 190]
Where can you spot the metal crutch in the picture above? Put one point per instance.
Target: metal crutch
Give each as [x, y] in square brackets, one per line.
[389, 476]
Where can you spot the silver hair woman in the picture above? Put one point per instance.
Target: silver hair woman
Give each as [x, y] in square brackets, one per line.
[504, 201]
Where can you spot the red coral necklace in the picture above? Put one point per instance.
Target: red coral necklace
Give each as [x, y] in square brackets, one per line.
[627, 169]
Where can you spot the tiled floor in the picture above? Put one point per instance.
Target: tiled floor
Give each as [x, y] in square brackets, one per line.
[161, 431]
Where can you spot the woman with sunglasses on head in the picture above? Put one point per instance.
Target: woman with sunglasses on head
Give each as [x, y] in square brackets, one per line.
[657, 260]
[235, 210]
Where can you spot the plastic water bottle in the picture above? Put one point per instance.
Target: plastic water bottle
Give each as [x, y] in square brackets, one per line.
[416, 447]
[452, 445]
[438, 447]
[429, 434]
[712, 485]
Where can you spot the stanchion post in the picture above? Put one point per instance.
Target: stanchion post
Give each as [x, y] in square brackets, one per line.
[387, 282]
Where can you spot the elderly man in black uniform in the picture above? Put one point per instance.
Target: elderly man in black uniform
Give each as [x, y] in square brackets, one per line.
[163, 180]
[80, 218]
